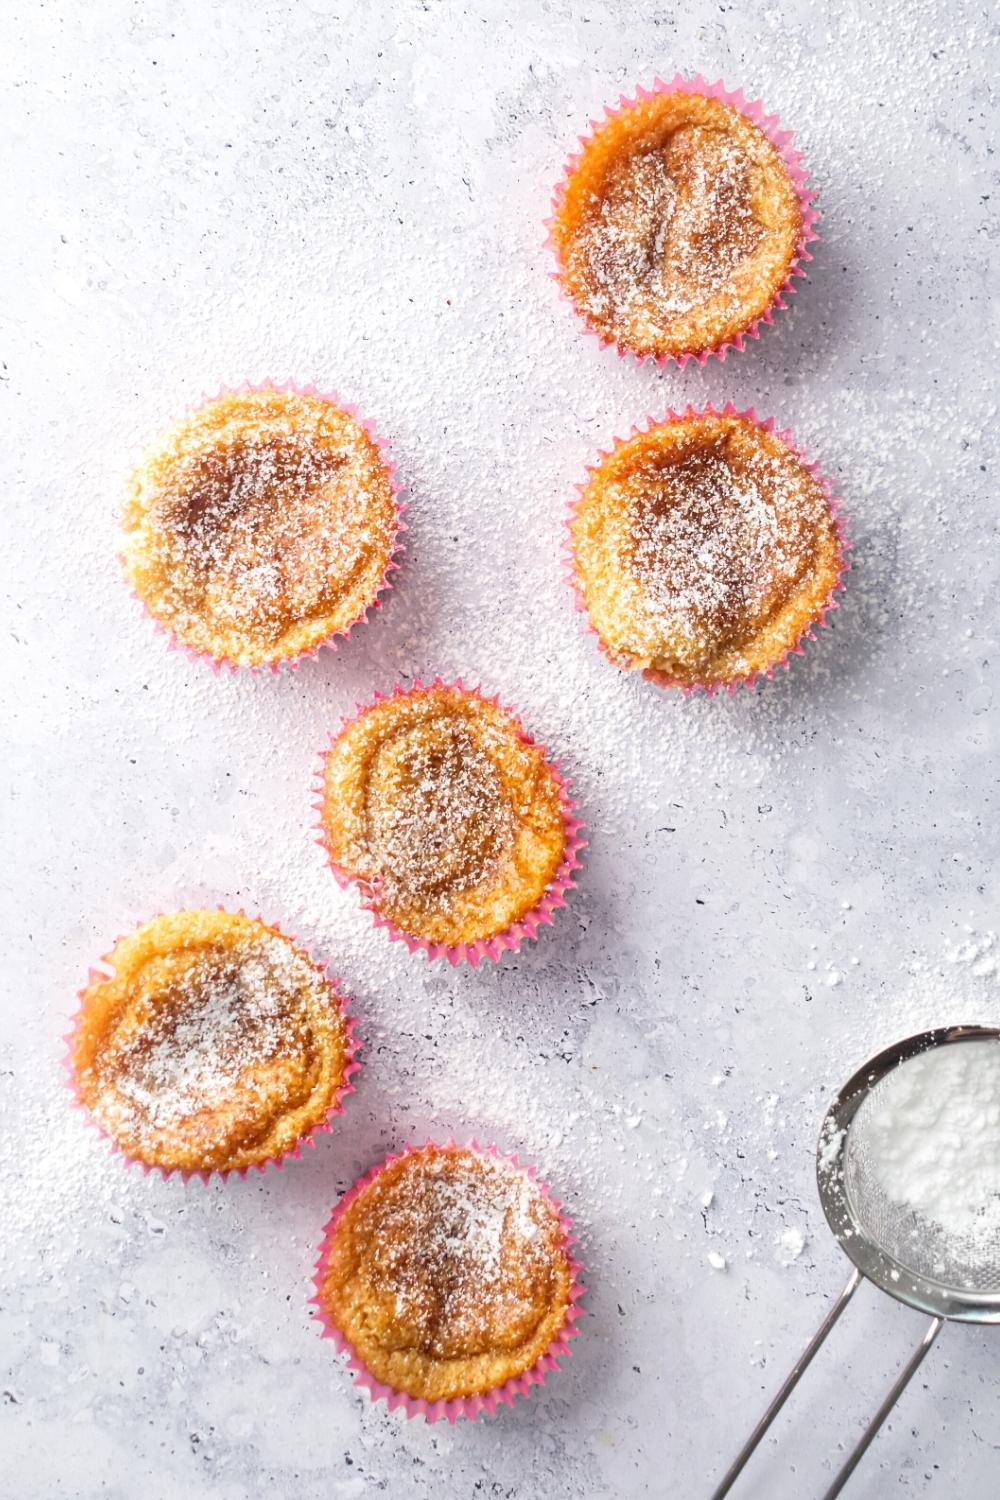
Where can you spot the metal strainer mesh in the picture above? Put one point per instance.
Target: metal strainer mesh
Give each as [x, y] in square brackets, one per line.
[908, 1171]
[963, 1257]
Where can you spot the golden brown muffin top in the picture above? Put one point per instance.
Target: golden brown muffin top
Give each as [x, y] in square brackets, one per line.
[436, 802]
[677, 226]
[703, 549]
[447, 1274]
[216, 1043]
[262, 525]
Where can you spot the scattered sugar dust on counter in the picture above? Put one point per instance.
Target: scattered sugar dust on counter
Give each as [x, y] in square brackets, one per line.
[61, 1177]
[957, 987]
[300, 155]
[762, 1160]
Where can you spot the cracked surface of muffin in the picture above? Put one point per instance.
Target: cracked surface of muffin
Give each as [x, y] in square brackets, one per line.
[438, 804]
[703, 549]
[677, 225]
[215, 1044]
[261, 526]
[447, 1273]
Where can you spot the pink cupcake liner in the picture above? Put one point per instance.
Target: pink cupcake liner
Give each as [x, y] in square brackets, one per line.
[385, 583]
[352, 1045]
[783, 142]
[511, 938]
[831, 603]
[459, 1406]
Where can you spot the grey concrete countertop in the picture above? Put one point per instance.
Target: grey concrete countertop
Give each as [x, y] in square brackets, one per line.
[778, 883]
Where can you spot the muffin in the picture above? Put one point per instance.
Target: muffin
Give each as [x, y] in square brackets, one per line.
[452, 821]
[679, 223]
[216, 1044]
[262, 526]
[703, 549]
[446, 1274]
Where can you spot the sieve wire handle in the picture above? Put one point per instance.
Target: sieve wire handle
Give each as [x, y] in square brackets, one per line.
[791, 1381]
[902, 1381]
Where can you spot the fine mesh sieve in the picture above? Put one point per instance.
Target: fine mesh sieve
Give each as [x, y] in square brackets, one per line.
[951, 1270]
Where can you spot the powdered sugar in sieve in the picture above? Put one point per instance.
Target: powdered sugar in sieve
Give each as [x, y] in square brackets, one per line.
[908, 1170]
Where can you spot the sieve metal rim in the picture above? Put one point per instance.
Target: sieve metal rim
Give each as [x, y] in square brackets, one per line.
[890, 1275]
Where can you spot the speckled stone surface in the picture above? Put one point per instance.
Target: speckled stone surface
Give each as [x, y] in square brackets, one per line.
[778, 883]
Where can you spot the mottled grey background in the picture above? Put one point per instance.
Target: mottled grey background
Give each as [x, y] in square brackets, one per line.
[206, 191]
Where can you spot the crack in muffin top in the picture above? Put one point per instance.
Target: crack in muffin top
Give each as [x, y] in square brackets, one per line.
[439, 804]
[262, 525]
[216, 1043]
[703, 547]
[447, 1273]
[677, 226]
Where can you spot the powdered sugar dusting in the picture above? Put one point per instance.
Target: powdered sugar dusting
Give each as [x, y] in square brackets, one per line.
[679, 224]
[264, 512]
[460, 1242]
[979, 952]
[216, 1038]
[449, 825]
[673, 226]
[216, 193]
[715, 543]
[720, 529]
[437, 802]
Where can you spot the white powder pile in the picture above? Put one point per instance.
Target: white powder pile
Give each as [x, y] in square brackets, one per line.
[931, 1136]
[791, 1243]
[979, 953]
